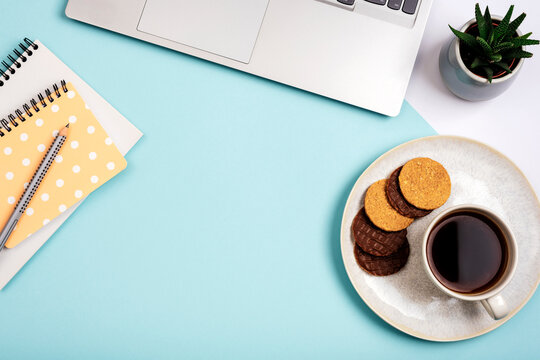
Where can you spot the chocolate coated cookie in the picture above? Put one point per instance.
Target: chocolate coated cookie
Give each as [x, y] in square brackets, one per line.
[382, 265]
[373, 240]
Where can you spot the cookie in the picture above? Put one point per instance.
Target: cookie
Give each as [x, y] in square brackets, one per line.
[424, 183]
[373, 240]
[379, 210]
[382, 265]
[398, 202]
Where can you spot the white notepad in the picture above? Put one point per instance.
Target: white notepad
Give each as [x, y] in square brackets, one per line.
[39, 70]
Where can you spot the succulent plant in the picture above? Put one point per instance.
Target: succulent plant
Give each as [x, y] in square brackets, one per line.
[497, 44]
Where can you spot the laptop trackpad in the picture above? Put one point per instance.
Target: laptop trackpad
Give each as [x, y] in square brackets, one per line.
[224, 27]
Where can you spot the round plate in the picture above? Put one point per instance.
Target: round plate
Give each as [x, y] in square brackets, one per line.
[408, 300]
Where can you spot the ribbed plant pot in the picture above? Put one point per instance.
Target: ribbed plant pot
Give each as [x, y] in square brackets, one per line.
[463, 82]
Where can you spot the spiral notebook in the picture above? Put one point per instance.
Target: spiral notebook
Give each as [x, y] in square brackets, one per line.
[87, 160]
[27, 70]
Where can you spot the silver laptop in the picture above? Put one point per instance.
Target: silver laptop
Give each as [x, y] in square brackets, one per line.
[360, 52]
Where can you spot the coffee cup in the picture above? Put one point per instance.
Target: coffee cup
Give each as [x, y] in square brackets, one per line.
[470, 253]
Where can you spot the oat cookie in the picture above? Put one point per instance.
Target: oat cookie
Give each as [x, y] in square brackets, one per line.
[424, 183]
[398, 202]
[379, 210]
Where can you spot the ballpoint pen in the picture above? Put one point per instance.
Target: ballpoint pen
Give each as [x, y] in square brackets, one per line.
[26, 197]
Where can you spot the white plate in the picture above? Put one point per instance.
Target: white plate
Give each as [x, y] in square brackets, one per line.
[480, 175]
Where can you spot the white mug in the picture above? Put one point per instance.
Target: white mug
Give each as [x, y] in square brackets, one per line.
[493, 302]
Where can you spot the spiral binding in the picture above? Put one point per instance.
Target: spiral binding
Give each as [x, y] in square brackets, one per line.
[21, 56]
[18, 116]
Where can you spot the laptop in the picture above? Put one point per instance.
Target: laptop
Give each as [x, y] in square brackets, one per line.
[360, 52]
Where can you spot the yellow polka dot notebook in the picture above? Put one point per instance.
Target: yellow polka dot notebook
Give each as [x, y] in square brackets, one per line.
[87, 160]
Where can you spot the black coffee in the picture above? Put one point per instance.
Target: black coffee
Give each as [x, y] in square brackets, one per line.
[467, 252]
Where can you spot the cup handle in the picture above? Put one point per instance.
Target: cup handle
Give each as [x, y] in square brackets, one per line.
[495, 306]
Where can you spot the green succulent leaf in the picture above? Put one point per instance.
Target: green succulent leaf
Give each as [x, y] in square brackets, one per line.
[517, 42]
[489, 24]
[502, 28]
[495, 58]
[489, 72]
[525, 36]
[503, 46]
[503, 66]
[482, 25]
[491, 37]
[496, 46]
[517, 54]
[485, 46]
[477, 62]
[468, 39]
[513, 26]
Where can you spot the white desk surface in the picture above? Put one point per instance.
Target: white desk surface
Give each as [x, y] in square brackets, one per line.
[509, 123]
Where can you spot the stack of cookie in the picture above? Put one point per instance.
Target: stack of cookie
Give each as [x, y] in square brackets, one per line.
[390, 206]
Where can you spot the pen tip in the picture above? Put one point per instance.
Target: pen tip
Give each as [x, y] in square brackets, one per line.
[67, 125]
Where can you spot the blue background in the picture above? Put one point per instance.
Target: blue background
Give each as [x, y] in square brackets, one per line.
[221, 239]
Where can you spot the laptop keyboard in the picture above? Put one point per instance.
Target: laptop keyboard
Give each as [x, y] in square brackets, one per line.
[409, 7]
[401, 12]
[378, 2]
[394, 4]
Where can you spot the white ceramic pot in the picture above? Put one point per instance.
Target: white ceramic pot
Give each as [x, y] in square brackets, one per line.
[463, 82]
